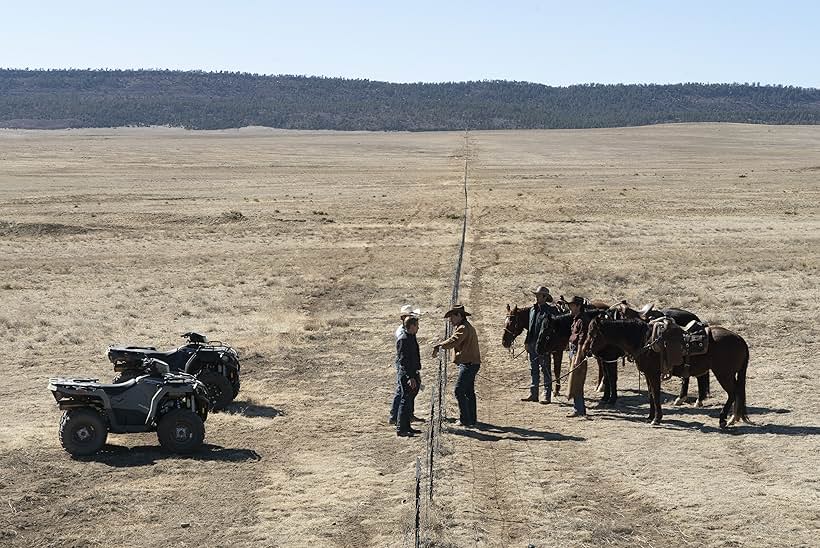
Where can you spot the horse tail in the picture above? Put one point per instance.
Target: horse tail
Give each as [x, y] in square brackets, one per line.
[740, 390]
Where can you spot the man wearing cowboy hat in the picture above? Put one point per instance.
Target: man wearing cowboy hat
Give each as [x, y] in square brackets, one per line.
[408, 364]
[466, 355]
[407, 311]
[578, 363]
[539, 363]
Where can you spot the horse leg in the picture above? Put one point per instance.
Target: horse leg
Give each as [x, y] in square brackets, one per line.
[653, 382]
[556, 368]
[684, 391]
[613, 382]
[600, 375]
[703, 389]
[727, 381]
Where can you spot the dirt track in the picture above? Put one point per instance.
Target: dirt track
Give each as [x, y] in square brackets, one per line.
[134, 236]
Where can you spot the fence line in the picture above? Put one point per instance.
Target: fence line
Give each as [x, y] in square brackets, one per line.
[438, 396]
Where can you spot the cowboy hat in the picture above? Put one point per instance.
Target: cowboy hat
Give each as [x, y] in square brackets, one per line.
[580, 301]
[457, 309]
[540, 290]
[408, 310]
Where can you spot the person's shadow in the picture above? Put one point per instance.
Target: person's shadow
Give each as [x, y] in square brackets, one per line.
[119, 456]
[489, 432]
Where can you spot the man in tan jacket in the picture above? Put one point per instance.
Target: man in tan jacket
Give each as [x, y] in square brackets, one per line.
[464, 342]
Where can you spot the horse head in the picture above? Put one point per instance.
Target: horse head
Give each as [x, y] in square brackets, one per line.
[513, 326]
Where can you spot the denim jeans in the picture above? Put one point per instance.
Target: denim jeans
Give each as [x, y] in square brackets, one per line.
[394, 408]
[578, 405]
[539, 365]
[465, 392]
[408, 396]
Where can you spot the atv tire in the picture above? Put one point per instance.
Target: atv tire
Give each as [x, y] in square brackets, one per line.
[82, 431]
[181, 431]
[220, 389]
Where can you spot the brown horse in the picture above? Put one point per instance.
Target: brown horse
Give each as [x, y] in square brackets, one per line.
[516, 322]
[622, 311]
[727, 358]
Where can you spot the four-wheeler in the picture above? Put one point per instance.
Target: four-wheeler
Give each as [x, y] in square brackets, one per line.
[175, 405]
[215, 364]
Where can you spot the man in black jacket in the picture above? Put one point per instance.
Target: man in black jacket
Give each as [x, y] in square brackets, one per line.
[408, 363]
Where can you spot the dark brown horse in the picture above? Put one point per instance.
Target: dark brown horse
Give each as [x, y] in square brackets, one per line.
[555, 333]
[516, 322]
[727, 358]
[682, 318]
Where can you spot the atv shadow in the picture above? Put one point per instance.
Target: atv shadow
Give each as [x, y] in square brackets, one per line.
[119, 456]
[249, 409]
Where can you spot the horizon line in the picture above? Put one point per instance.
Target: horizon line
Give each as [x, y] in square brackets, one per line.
[350, 78]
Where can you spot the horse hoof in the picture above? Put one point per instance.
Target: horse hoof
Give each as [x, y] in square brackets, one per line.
[655, 422]
[699, 403]
[733, 420]
[679, 401]
[723, 424]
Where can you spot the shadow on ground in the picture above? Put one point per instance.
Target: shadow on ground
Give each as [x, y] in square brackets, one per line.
[634, 408]
[490, 432]
[119, 456]
[248, 409]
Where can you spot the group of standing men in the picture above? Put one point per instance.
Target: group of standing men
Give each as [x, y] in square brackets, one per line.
[466, 355]
[540, 363]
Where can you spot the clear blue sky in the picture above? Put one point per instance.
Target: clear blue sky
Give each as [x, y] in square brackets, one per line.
[555, 43]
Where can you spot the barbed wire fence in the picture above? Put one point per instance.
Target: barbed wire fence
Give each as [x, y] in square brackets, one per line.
[438, 396]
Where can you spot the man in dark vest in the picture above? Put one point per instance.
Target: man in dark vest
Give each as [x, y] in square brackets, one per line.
[408, 364]
[539, 364]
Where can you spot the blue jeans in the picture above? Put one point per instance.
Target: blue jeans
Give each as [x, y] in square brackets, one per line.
[408, 396]
[394, 409]
[538, 365]
[465, 392]
[579, 405]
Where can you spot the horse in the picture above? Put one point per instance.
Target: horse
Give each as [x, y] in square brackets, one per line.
[727, 358]
[516, 322]
[682, 318]
[555, 333]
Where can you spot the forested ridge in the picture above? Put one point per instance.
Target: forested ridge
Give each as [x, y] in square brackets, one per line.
[216, 100]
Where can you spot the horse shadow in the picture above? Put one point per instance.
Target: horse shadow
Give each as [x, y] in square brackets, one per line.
[118, 456]
[489, 432]
[249, 409]
[634, 408]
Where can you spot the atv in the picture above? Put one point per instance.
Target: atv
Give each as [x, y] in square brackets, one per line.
[215, 364]
[175, 405]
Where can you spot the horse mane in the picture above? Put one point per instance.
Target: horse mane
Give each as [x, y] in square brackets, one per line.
[630, 332]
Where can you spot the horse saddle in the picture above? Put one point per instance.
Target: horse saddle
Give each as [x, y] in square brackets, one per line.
[695, 339]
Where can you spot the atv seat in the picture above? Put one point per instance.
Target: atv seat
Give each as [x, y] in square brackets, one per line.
[147, 351]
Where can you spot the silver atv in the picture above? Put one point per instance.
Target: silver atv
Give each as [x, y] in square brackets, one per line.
[174, 405]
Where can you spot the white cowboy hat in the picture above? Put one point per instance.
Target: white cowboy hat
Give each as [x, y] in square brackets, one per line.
[540, 290]
[408, 310]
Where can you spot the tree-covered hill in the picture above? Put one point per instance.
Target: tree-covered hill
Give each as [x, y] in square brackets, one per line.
[203, 100]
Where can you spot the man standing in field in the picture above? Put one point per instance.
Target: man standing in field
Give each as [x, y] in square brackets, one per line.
[539, 364]
[407, 311]
[408, 365]
[577, 362]
[466, 355]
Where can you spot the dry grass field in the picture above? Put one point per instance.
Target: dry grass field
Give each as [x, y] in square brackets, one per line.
[299, 247]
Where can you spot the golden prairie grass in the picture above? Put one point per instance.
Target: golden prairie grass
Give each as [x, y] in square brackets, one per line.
[137, 235]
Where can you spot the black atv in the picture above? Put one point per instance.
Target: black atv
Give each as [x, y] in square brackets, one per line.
[175, 405]
[215, 364]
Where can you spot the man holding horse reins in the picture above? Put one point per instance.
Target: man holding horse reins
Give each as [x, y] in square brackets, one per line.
[539, 363]
[578, 362]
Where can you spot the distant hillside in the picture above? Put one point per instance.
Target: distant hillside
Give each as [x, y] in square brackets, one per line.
[201, 100]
